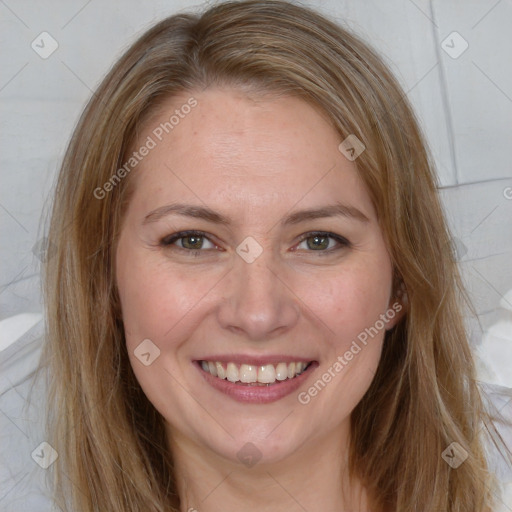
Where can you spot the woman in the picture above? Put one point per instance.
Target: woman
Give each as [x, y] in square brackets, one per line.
[253, 303]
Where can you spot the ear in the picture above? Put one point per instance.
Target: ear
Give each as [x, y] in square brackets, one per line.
[398, 303]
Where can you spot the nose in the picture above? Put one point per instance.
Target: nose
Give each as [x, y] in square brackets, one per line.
[259, 303]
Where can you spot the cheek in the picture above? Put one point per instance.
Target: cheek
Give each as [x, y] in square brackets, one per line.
[350, 300]
[160, 306]
[154, 296]
[350, 306]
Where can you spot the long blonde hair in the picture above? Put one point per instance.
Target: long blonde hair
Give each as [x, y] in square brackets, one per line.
[110, 439]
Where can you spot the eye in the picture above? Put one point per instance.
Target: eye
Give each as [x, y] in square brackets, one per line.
[322, 241]
[190, 241]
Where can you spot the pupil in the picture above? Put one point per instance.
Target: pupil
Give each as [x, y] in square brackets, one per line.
[318, 242]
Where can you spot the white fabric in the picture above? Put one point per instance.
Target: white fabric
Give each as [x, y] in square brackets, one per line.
[23, 486]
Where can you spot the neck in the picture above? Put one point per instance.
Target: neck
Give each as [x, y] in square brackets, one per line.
[314, 477]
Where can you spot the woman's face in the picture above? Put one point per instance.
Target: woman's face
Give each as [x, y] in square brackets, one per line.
[251, 244]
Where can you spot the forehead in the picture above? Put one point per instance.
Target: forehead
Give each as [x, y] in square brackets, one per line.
[222, 145]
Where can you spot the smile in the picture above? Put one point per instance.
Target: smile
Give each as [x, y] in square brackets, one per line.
[256, 382]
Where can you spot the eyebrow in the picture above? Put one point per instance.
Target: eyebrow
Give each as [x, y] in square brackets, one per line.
[205, 213]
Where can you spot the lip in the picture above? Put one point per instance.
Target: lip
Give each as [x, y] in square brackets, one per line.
[257, 394]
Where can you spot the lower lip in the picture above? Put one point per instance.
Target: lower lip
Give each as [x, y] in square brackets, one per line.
[257, 394]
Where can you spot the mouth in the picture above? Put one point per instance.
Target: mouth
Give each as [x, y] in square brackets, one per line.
[255, 382]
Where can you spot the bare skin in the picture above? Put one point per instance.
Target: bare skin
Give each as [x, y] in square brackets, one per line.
[255, 161]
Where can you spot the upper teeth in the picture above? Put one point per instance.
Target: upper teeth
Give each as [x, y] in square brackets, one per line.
[266, 374]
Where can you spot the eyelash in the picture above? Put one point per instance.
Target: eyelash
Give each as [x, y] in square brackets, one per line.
[168, 241]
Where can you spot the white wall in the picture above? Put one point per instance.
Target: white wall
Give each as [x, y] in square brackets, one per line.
[464, 103]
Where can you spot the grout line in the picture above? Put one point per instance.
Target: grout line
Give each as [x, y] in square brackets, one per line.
[478, 182]
[444, 98]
